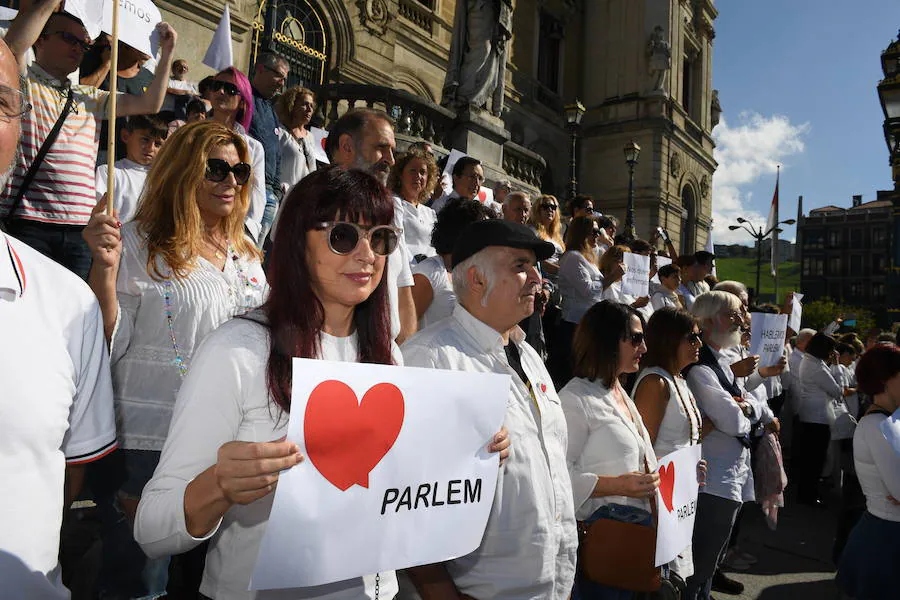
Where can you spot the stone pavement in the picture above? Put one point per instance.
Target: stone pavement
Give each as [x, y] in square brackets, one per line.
[795, 560]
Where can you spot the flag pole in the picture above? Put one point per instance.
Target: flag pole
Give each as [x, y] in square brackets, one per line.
[775, 239]
[111, 128]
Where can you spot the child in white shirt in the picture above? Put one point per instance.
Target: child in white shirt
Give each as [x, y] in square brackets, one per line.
[143, 136]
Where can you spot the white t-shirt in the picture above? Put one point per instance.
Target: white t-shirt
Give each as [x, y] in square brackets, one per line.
[169, 102]
[418, 221]
[399, 271]
[56, 408]
[444, 299]
[129, 179]
[225, 398]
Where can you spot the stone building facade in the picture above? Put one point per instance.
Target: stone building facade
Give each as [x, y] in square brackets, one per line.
[642, 68]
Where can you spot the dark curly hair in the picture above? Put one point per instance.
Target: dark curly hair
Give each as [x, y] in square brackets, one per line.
[451, 221]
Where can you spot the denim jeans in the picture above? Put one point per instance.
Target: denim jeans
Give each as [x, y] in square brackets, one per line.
[712, 529]
[61, 243]
[268, 218]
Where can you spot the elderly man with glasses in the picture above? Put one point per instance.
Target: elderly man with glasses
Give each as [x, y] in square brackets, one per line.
[468, 177]
[48, 200]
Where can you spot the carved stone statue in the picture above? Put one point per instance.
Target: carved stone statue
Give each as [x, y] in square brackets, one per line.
[476, 71]
[715, 109]
[659, 52]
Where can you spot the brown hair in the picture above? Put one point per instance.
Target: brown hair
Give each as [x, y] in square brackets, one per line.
[595, 347]
[612, 257]
[665, 326]
[395, 179]
[284, 106]
[577, 236]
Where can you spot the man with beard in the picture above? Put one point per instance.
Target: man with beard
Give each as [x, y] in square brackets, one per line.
[726, 444]
[56, 405]
[364, 139]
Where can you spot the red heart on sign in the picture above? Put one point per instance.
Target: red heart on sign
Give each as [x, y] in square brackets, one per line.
[544, 387]
[346, 438]
[667, 484]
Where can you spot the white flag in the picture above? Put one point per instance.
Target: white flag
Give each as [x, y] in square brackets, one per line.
[219, 55]
[710, 247]
[772, 225]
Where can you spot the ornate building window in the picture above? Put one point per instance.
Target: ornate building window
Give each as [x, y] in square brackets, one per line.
[691, 84]
[689, 223]
[295, 30]
[549, 63]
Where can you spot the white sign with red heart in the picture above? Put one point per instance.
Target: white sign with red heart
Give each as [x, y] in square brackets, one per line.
[676, 499]
[397, 472]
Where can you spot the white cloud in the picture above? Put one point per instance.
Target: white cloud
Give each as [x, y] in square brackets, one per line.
[746, 152]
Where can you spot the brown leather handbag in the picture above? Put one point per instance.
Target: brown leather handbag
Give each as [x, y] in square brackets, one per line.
[621, 555]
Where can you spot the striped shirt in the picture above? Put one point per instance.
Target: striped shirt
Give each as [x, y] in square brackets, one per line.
[62, 191]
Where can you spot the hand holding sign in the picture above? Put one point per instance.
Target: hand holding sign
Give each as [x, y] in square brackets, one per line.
[767, 336]
[677, 501]
[247, 471]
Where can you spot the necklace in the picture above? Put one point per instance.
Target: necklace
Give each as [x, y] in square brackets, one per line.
[248, 285]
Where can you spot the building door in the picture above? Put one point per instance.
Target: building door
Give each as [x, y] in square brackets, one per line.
[295, 30]
[689, 225]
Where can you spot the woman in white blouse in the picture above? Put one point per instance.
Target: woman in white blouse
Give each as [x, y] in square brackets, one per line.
[167, 279]
[662, 396]
[581, 286]
[432, 290]
[295, 108]
[666, 295]
[610, 454]
[868, 564]
[612, 267]
[220, 463]
[820, 392]
[412, 178]
[232, 106]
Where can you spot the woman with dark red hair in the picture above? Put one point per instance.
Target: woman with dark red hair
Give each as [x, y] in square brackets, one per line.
[870, 558]
[219, 466]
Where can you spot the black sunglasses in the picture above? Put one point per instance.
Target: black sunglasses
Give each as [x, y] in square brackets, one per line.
[344, 237]
[73, 40]
[217, 170]
[549, 206]
[636, 338]
[229, 88]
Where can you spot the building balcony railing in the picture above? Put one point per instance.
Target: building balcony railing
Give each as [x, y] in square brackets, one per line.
[414, 115]
[523, 164]
[418, 14]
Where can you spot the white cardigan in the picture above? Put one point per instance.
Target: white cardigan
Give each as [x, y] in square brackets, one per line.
[602, 442]
[820, 391]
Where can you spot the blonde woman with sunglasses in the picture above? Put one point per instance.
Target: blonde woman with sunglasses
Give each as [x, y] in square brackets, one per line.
[164, 281]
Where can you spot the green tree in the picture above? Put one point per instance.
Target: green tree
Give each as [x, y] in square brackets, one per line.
[819, 313]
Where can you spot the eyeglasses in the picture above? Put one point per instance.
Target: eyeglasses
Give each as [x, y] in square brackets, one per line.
[12, 103]
[278, 74]
[635, 337]
[344, 237]
[217, 170]
[475, 177]
[550, 207]
[73, 40]
[694, 337]
[229, 88]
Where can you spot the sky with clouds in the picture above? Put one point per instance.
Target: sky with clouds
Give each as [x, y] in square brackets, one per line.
[797, 81]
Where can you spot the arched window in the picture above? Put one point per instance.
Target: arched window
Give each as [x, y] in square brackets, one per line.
[295, 30]
[689, 222]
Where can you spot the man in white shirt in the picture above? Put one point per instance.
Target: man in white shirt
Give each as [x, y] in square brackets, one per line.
[364, 139]
[694, 270]
[530, 544]
[468, 176]
[56, 404]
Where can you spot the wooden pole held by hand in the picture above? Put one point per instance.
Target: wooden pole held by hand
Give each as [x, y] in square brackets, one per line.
[111, 127]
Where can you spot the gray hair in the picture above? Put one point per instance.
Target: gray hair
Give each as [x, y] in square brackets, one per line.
[268, 59]
[805, 334]
[485, 263]
[710, 304]
[515, 196]
[733, 287]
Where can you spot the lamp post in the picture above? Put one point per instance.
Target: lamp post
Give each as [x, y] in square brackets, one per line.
[574, 113]
[889, 94]
[632, 152]
[759, 235]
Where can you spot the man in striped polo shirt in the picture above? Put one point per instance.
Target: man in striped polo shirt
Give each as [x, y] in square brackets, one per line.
[57, 204]
[56, 402]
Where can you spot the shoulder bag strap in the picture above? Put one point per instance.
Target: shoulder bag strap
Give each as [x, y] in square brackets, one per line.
[42, 152]
[654, 511]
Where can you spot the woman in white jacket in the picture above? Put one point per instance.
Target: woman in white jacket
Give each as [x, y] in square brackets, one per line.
[820, 392]
[611, 458]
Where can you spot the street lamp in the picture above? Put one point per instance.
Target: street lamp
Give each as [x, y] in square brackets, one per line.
[574, 113]
[889, 94]
[759, 235]
[632, 152]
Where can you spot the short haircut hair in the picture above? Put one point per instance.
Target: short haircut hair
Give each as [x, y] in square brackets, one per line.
[821, 346]
[710, 304]
[704, 258]
[638, 245]
[453, 219]
[179, 61]
[580, 201]
[150, 123]
[272, 60]
[503, 183]
[665, 330]
[205, 83]
[805, 334]
[352, 123]
[767, 308]
[61, 15]
[595, 347]
[517, 195]
[462, 163]
[669, 270]
[732, 287]
[194, 106]
[876, 367]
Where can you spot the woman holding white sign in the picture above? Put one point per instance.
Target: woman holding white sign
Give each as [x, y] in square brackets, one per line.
[663, 398]
[612, 267]
[225, 448]
[611, 458]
